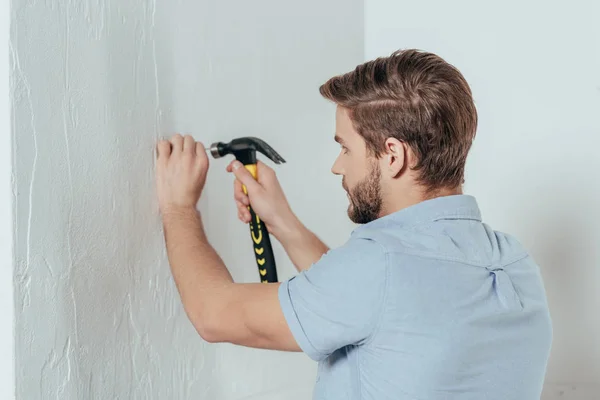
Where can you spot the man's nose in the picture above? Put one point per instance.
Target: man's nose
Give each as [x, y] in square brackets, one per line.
[336, 168]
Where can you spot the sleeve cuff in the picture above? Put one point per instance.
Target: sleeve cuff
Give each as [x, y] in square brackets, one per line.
[291, 318]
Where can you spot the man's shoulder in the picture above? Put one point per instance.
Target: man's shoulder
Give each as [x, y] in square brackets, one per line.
[356, 255]
[471, 242]
[358, 247]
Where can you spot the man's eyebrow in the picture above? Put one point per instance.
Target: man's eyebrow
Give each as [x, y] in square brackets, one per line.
[338, 139]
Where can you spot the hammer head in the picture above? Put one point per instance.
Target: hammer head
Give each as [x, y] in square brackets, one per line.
[244, 149]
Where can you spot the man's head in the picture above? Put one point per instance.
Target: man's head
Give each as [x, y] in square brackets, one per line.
[405, 124]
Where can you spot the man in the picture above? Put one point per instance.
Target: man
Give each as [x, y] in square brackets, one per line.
[424, 301]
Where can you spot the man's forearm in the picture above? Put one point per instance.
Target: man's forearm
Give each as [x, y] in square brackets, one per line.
[199, 272]
[302, 246]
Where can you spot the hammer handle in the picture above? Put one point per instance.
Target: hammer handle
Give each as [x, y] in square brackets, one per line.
[263, 251]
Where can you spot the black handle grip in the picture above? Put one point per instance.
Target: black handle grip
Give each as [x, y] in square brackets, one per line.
[265, 260]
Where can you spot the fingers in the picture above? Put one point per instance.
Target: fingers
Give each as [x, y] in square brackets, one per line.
[180, 144]
[201, 156]
[164, 150]
[177, 144]
[238, 193]
[189, 145]
[241, 199]
[186, 146]
[243, 213]
[199, 148]
[264, 172]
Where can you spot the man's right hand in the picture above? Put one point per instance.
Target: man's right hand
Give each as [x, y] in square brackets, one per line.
[268, 201]
[265, 196]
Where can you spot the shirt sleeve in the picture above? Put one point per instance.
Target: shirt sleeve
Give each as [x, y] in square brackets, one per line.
[338, 300]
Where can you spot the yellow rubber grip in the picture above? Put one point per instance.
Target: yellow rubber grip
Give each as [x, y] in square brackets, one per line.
[253, 170]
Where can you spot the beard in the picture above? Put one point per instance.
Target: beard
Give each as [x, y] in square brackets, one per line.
[365, 197]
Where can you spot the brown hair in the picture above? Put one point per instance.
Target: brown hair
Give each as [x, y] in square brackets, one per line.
[415, 97]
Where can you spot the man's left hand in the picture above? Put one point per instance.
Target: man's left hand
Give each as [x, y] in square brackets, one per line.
[180, 173]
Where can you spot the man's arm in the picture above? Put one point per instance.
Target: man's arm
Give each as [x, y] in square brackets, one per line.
[302, 246]
[220, 310]
[330, 306]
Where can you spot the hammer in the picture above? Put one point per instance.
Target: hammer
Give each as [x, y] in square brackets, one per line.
[244, 149]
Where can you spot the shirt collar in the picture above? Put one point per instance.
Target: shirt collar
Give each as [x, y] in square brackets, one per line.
[444, 207]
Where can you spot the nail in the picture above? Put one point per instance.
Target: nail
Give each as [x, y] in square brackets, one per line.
[236, 165]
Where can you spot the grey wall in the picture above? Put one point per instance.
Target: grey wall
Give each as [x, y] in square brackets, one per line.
[534, 68]
[95, 83]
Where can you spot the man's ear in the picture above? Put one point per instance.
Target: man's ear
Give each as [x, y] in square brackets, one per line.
[395, 156]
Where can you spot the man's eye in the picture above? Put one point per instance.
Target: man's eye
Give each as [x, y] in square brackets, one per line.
[344, 150]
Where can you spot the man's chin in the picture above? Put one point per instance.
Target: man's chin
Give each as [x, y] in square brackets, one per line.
[352, 214]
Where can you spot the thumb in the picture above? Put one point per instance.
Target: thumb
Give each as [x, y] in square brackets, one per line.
[244, 176]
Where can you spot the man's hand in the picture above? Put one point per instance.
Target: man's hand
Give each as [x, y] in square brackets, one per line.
[266, 197]
[268, 201]
[180, 173]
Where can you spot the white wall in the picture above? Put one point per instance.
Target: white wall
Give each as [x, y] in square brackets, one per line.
[95, 84]
[7, 360]
[534, 68]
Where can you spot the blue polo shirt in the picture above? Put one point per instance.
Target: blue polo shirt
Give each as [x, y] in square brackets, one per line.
[425, 303]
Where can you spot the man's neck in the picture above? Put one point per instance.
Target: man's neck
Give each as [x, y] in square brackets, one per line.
[415, 196]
